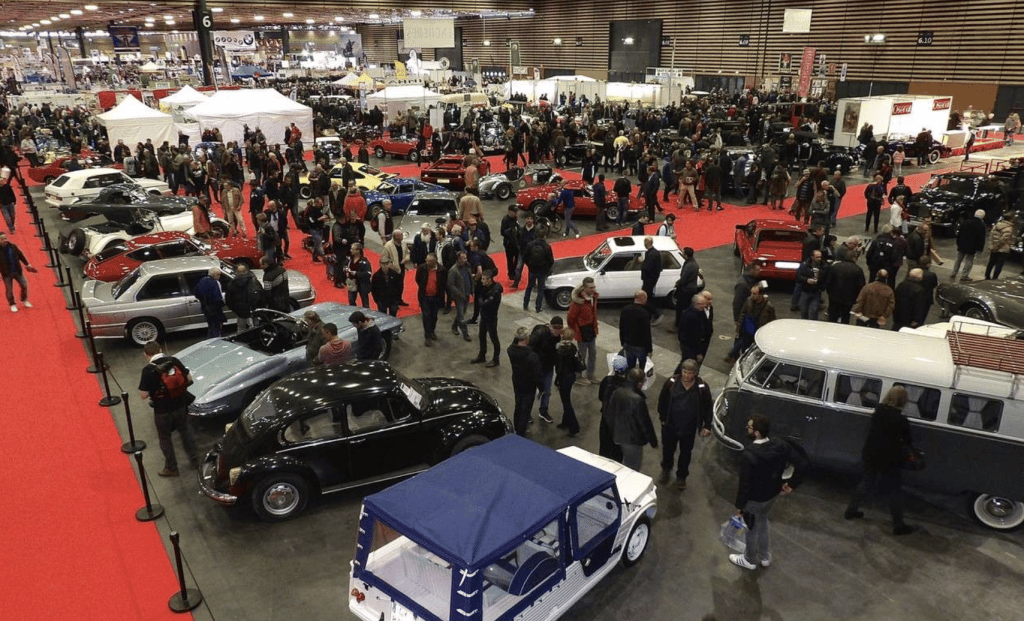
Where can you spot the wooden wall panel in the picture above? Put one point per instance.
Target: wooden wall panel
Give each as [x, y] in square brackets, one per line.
[980, 96]
[977, 41]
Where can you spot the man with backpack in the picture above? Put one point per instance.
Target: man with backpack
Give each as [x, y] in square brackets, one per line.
[164, 384]
[883, 254]
[538, 257]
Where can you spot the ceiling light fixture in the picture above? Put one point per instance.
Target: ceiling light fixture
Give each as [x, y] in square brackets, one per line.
[288, 14]
[415, 13]
[65, 16]
[76, 11]
[373, 16]
[258, 18]
[91, 7]
[628, 40]
[339, 18]
[487, 43]
[217, 9]
[310, 21]
[45, 22]
[170, 22]
[235, 20]
[557, 41]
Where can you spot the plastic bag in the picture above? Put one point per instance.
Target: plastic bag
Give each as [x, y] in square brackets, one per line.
[734, 534]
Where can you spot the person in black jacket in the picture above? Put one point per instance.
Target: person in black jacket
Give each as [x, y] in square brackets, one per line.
[969, 242]
[885, 451]
[170, 411]
[11, 260]
[650, 273]
[526, 379]
[567, 365]
[538, 257]
[684, 408]
[543, 340]
[243, 295]
[760, 483]
[608, 448]
[693, 330]
[843, 282]
[275, 286]
[622, 188]
[630, 420]
[911, 301]
[510, 235]
[490, 302]
[635, 331]
[369, 343]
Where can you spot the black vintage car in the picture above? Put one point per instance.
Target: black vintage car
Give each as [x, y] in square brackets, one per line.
[947, 199]
[125, 194]
[492, 137]
[331, 428]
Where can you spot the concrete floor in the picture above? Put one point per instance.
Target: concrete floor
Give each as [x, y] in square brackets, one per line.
[824, 566]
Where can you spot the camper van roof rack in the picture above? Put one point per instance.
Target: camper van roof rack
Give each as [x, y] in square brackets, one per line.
[975, 346]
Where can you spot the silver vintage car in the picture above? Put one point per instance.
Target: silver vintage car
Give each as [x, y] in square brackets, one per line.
[156, 298]
[229, 372]
[504, 185]
[1001, 301]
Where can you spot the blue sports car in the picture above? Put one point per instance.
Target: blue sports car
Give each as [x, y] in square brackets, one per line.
[401, 191]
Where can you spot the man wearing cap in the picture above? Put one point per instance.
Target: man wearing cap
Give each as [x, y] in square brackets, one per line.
[369, 342]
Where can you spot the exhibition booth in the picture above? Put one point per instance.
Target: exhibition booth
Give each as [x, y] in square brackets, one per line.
[178, 103]
[891, 115]
[265, 108]
[395, 99]
[133, 121]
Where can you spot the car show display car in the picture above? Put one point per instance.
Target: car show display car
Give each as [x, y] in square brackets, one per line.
[395, 146]
[948, 198]
[507, 530]
[228, 372]
[428, 208]
[335, 427]
[615, 267]
[126, 194]
[46, 173]
[400, 191]
[114, 224]
[158, 298]
[78, 185]
[366, 178]
[504, 185]
[331, 146]
[536, 198]
[491, 137]
[774, 243]
[114, 262]
[450, 171]
[1000, 300]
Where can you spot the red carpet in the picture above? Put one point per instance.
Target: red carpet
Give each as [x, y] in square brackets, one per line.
[72, 548]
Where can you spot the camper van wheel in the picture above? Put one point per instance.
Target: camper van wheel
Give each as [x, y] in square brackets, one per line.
[996, 512]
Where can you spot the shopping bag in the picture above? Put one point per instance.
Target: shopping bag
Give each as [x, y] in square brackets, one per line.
[734, 534]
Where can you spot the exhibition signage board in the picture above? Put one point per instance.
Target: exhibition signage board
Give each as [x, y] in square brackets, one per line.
[806, 70]
[125, 38]
[942, 104]
[903, 107]
[235, 40]
[420, 33]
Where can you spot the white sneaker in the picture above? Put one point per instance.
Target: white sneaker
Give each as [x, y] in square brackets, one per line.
[739, 561]
[766, 562]
[27, 304]
[14, 308]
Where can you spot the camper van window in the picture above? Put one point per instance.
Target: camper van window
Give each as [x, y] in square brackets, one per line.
[761, 375]
[858, 391]
[975, 412]
[922, 402]
[792, 379]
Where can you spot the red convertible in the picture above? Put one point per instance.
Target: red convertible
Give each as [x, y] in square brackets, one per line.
[399, 146]
[113, 263]
[46, 173]
[776, 244]
[450, 171]
[532, 199]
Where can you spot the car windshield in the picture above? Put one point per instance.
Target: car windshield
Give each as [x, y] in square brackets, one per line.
[749, 360]
[958, 186]
[433, 207]
[124, 284]
[108, 253]
[596, 258]
[386, 188]
[60, 181]
[261, 408]
[370, 170]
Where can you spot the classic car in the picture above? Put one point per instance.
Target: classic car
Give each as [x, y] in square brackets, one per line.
[1000, 300]
[209, 149]
[812, 148]
[491, 137]
[615, 267]
[535, 198]
[229, 372]
[84, 184]
[400, 190]
[116, 261]
[331, 145]
[395, 146]
[909, 143]
[114, 224]
[950, 197]
[330, 428]
[450, 171]
[426, 209]
[355, 132]
[126, 194]
[575, 152]
[504, 184]
[46, 173]
[508, 530]
[156, 298]
[774, 243]
[367, 178]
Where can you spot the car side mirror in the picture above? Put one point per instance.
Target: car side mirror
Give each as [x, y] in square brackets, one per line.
[603, 272]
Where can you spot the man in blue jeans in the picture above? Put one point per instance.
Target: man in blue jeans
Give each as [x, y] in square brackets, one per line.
[11, 260]
[432, 280]
[539, 258]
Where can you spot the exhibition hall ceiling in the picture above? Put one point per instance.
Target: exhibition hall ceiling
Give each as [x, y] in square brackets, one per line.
[40, 16]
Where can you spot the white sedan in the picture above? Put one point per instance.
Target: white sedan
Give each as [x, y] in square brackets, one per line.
[78, 185]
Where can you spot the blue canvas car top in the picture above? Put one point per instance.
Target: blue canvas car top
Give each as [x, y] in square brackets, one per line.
[471, 507]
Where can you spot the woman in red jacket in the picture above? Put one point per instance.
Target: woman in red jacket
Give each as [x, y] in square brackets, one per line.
[582, 318]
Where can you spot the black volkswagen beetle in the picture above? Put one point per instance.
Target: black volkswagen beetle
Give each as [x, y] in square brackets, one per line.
[331, 428]
[947, 199]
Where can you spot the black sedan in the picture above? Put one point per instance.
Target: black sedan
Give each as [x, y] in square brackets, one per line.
[332, 428]
[947, 199]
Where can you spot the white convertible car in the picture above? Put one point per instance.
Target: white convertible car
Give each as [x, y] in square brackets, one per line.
[79, 185]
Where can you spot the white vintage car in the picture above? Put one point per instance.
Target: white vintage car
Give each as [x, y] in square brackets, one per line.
[507, 530]
[78, 185]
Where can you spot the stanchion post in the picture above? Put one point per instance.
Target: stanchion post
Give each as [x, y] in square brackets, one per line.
[60, 279]
[150, 512]
[40, 227]
[80, 334]
[95, 368]
[50, 251]
[185, 599]
[109, 400]
[132, 445]
[72, 304]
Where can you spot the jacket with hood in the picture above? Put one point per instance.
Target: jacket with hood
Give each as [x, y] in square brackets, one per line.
[582, 312]
[761, 468]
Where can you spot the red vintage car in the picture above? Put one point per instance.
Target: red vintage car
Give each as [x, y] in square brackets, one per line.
[450, 171]
[46, 173]
[532, 199]
[113, 263]
[399, 146]
[776, 244]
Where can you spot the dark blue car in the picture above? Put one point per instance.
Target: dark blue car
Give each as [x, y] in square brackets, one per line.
[401, 191]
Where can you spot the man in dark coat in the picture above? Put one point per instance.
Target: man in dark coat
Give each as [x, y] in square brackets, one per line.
[243, 295]
[617, 379]
[490, 302]
[686, 286]
[969, 242]
[684, 408]
[526, 378]
[843, 283]
[635, 331]
[211, 301]
[693, 330]
[275, 286]
[911, 301]
[630, 420]
[650, 273]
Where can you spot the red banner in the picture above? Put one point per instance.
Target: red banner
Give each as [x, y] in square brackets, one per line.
[902, 108]
[806, 71]
[942, 104]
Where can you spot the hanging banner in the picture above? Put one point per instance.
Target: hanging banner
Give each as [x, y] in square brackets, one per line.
[942, 104]
[126, 38]
[806, 71]
[235, 40]
[422, 33]
[901, 108]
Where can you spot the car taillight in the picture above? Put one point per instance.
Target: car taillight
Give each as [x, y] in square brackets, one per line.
[356, 593]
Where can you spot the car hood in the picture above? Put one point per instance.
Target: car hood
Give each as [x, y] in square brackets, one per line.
[215, 360]
[566, 266]
[935, 197]
[448, 394]
[97, 293]
[1009, 289]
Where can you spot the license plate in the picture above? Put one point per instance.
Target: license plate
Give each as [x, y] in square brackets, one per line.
[442, 181]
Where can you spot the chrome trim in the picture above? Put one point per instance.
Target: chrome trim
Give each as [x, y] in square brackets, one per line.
[207, 475]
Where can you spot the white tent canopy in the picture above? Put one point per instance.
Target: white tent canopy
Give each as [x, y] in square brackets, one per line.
[133, 121]
[350, 80]
[264, 108]
[185, 96]
[403, 97]
[624, 91]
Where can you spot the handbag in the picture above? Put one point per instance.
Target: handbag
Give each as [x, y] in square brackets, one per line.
[350, 284]
[734, 534]
[913, 459]
[587, 332]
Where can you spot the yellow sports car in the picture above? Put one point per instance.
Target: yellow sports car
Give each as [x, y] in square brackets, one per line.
[367, 178]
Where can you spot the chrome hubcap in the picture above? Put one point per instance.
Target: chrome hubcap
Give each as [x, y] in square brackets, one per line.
[280, 498]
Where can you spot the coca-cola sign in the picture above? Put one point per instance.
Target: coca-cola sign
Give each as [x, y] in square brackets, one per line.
[942, 104]
[902, 108]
